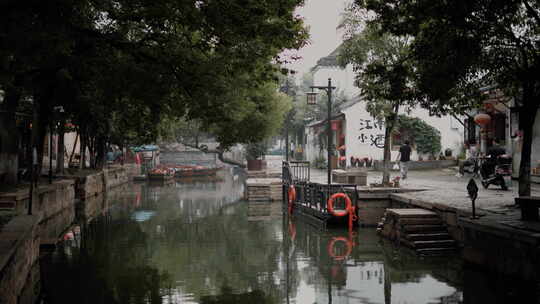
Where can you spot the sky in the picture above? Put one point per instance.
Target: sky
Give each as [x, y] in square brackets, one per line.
[322, 17]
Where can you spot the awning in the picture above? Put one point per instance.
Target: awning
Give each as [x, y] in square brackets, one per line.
[145, 148]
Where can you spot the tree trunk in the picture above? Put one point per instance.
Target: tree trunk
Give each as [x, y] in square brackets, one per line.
[101, 148]
[9, 137]
[386, 154]
[82, 149]
[39, 131]
[527, 116]
[60, 148]
[91, 143]
[389, 128]
[73, 149]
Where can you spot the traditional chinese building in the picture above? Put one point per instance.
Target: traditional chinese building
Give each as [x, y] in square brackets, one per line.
[359, 136]
[502, 125]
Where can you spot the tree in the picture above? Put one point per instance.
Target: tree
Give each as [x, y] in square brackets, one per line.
[119, 67]
[467, 44]
[384, 72]
[424, 137]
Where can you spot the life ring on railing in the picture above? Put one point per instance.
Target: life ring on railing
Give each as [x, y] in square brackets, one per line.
[330, 248]
[291, 194]
[348, 204]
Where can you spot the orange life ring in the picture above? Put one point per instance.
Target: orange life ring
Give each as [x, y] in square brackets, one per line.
[292, 194]
[330, 248]
[348, 204]
[292, 197]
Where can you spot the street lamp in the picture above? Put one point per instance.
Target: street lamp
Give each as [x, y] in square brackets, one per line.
[311, 100]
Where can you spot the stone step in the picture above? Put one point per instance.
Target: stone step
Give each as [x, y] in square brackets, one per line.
[422, 228]
[436, 251]
[420, 221]
[433, 244]
[411, 213]
[428, 236]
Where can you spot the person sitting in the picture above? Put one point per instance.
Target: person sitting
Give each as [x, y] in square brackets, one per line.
[493, 153]
[471, 161]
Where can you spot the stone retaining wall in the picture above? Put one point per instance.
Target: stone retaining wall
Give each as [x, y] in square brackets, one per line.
[373, 203]
[19, 254]
[53, 209]
[501, 248]
[91, 185]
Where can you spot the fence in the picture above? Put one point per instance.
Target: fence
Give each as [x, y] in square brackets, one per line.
[314, 196]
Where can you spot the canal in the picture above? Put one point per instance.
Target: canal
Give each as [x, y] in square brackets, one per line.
[197, 241]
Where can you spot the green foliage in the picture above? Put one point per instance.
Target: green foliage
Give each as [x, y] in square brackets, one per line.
[460, 46]
[384, 72]
[424, 137]
[256, 150]
[120, 68]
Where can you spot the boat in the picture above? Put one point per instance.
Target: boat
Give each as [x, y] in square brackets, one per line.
[160, 174]
[195, 171]
[140, 178]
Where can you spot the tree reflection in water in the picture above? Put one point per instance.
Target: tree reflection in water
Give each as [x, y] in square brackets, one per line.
[110, 266]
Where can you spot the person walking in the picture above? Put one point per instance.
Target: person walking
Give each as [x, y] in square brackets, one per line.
[404, 157]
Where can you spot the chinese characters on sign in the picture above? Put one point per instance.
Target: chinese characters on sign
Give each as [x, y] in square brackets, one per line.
[371, 132]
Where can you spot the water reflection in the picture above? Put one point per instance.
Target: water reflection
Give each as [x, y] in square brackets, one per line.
[337, 266]
[199, 242]
[108, 262]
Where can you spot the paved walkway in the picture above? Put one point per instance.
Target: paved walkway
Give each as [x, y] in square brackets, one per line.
[443, 189]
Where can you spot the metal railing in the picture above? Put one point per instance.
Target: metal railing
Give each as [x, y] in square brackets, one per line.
[315, 195]
[295, 171]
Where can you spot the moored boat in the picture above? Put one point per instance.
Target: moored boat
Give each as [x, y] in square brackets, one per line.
[160, 174]
[195, 171]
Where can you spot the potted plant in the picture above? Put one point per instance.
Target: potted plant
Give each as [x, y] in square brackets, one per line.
[254, 154]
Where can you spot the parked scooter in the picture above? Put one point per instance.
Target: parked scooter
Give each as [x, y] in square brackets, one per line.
[471, 166]
[497, 172]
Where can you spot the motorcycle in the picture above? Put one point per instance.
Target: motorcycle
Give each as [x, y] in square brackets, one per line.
[471, 166]
[497, 172]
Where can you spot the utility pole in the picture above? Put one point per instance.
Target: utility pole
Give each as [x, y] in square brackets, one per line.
[328, 89]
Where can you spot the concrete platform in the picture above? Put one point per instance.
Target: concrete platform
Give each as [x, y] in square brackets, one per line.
[412, 212]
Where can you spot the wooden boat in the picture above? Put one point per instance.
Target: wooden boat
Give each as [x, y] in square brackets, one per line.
[195, 171]
[140, 178]
[160, 174]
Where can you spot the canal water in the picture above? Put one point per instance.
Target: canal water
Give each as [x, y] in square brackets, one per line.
[198, 241]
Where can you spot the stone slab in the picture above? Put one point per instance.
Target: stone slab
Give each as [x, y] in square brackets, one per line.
[412, 212]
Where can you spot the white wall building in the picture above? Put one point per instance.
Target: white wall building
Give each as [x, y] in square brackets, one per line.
[360, 133]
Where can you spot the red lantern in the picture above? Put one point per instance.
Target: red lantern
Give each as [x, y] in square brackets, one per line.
[482, 119]
[335, 124]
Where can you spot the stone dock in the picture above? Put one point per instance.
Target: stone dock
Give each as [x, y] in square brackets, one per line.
[498, 240]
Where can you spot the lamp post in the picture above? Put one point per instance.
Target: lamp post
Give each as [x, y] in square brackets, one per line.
[312, 99]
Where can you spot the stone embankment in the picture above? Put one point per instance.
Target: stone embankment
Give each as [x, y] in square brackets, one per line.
[54, 208]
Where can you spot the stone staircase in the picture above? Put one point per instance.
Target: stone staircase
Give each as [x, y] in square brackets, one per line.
[420, 229]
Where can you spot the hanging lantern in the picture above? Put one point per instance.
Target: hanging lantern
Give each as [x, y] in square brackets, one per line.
[482, 119]
[335, 124]
[311, 98]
